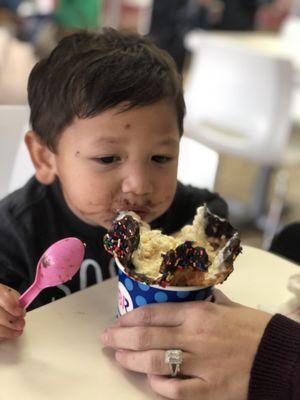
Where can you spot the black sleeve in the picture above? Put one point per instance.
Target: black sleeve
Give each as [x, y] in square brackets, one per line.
[14, 260]
[296, 383]
[17, 243]
[276, 369]
[183, 209]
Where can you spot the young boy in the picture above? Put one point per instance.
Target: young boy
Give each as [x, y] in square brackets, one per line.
[107, 116]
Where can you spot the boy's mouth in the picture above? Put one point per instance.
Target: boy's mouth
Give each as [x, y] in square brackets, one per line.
[141, 212]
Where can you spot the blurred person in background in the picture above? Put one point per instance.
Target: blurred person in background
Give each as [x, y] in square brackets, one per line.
[8, 14]
[286, 242]
[168, 27]
[270, 16]
[17, 58]
[35, 14]
[246, 14]
[67, 17]
[171, 21]
[10, 5]
[73, 15]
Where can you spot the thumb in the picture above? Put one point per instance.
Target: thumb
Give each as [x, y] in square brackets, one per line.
[220, 298]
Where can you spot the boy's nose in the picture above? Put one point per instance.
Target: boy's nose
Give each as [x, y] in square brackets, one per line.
[137, 181]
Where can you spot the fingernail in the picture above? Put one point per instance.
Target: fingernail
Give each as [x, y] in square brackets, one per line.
[19, 312]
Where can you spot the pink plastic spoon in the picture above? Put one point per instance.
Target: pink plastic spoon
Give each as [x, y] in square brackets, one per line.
[57, 265]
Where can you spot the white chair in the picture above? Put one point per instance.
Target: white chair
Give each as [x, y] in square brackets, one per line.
[238, 100]
[197, 164]
[238, 103]
[13, 123]
[290, 30]
[290, 36]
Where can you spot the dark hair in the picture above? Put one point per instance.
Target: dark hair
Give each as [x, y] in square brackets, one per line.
[88, 73]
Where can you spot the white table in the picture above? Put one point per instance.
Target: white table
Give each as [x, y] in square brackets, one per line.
[60, 356]
[260, 280]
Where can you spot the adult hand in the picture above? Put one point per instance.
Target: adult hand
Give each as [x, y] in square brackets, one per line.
[11, 314]
[219, 342]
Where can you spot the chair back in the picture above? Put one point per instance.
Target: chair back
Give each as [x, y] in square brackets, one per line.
[238, 99]
[198, 164]
[290, 38]
[290, 29]
[13, 123]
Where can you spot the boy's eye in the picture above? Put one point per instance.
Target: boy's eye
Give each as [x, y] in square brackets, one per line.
[107, 159]
[161, 159]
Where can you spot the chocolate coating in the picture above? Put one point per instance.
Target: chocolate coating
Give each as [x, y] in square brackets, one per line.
[122, 239]
[186, 256]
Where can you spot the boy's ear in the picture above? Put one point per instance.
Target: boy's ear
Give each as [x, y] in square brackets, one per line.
[42, 158]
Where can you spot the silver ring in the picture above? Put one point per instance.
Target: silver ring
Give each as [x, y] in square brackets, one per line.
[174, 359]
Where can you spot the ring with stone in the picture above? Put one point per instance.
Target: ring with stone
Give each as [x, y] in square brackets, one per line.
[174, 359]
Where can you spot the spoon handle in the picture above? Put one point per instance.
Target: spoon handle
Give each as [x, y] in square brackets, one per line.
[28, 296]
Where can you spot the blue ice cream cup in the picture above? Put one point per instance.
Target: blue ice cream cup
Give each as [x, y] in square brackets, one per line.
[133, 294]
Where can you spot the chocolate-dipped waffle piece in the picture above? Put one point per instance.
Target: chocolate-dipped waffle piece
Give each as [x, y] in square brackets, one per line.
[179, 263]
[218, 230]
[123, 238]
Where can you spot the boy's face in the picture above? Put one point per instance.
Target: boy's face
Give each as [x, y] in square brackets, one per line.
[120, 161]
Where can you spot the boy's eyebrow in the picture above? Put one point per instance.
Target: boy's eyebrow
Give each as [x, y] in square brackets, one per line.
[168, 142]
[108, 139]
[112, 140]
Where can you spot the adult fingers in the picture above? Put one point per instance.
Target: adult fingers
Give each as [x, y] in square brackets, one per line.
[142, 338]
[153, 362]
[162, 314]
[9, 301]
[10, 321]
[7, 333]
[179, 389]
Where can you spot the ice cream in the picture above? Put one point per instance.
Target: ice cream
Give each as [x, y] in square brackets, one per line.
[201, 254]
